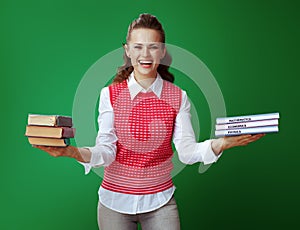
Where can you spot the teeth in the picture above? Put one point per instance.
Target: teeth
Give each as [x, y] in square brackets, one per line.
[145, 62]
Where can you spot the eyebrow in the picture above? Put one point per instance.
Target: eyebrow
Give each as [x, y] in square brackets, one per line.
[150, 43]
[154, 44]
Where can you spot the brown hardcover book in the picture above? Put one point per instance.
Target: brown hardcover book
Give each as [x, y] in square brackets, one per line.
[51, 132]
[49, 120]
[49, 141]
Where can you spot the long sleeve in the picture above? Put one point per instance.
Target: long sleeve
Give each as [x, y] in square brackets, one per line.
[189, 151]
[104, 151]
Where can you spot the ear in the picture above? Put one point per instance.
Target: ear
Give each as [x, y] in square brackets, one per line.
[126, 48]
[163, 54]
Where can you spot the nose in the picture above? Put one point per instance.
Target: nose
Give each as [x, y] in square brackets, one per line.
[145, 51]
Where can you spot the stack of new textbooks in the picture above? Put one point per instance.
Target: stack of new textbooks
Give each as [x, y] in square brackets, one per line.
[249, 124]
[49, 130]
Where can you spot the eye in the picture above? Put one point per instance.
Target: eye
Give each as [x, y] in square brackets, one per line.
[138, 47]
[154, 47]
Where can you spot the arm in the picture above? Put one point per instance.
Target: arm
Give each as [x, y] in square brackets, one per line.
[189, 151]
[104, 151]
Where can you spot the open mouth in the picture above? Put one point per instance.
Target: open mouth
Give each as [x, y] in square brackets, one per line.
[145, 63]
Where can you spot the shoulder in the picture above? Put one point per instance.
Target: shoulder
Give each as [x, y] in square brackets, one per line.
[171, 85]
[184, 101]
[173, 89]
[104, 94]
[118, 84]
[117, 89]
[176, 87]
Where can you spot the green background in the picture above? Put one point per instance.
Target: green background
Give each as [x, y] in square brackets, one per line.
[251, 47]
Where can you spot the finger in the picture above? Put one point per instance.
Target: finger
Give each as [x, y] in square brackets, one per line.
[50, 150]
[42, 147]
[238, 138]
[38, 146]
[256, 137]
[241, 137]
[253, 138]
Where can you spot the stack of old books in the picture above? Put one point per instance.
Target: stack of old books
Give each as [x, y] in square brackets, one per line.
[249, 124]
[49, 130]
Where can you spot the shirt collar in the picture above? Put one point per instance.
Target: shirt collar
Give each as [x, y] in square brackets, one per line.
[135, 88]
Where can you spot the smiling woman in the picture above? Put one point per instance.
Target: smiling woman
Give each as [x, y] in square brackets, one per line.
[140, 114]
[144, 50]
[145, 43]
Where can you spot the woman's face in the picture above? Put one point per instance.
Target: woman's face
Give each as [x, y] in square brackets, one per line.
[145, 50]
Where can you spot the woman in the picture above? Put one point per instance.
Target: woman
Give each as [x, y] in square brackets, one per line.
[139, 115]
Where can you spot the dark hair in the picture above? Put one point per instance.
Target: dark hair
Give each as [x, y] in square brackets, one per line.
[147, 21]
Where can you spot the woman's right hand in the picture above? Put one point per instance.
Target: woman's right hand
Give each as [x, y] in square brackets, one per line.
[82, 155]
[223, 143]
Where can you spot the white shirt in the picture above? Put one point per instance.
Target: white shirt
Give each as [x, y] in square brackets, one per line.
[104, 151]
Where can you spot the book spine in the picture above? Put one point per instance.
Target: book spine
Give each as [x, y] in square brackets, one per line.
[68, 132]
[67, 141]
[63, 121]
[256, 130]
[256, 117]
[250, 124]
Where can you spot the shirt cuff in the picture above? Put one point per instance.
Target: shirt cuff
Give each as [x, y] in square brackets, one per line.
[210, 157]
[87, 167]
[96, 160]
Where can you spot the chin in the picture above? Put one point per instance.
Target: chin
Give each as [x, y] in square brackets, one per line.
[146, 72]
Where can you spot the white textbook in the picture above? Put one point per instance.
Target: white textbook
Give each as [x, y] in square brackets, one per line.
[249, 124]
[246, 118]
[255, 130]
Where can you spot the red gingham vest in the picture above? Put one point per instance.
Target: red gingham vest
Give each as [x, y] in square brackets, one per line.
[144, 127]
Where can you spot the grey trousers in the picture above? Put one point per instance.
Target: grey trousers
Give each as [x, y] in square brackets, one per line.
[164, 218]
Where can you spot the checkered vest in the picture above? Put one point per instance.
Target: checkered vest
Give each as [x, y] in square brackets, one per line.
[144, 127]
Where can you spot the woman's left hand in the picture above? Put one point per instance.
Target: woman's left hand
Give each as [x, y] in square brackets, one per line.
[221, 144]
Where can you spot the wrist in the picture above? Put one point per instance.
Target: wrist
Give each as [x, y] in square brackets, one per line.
[73, 152]
[224, 143]
[218, 145]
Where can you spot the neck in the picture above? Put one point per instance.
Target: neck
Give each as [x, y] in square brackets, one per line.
[144, 81]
